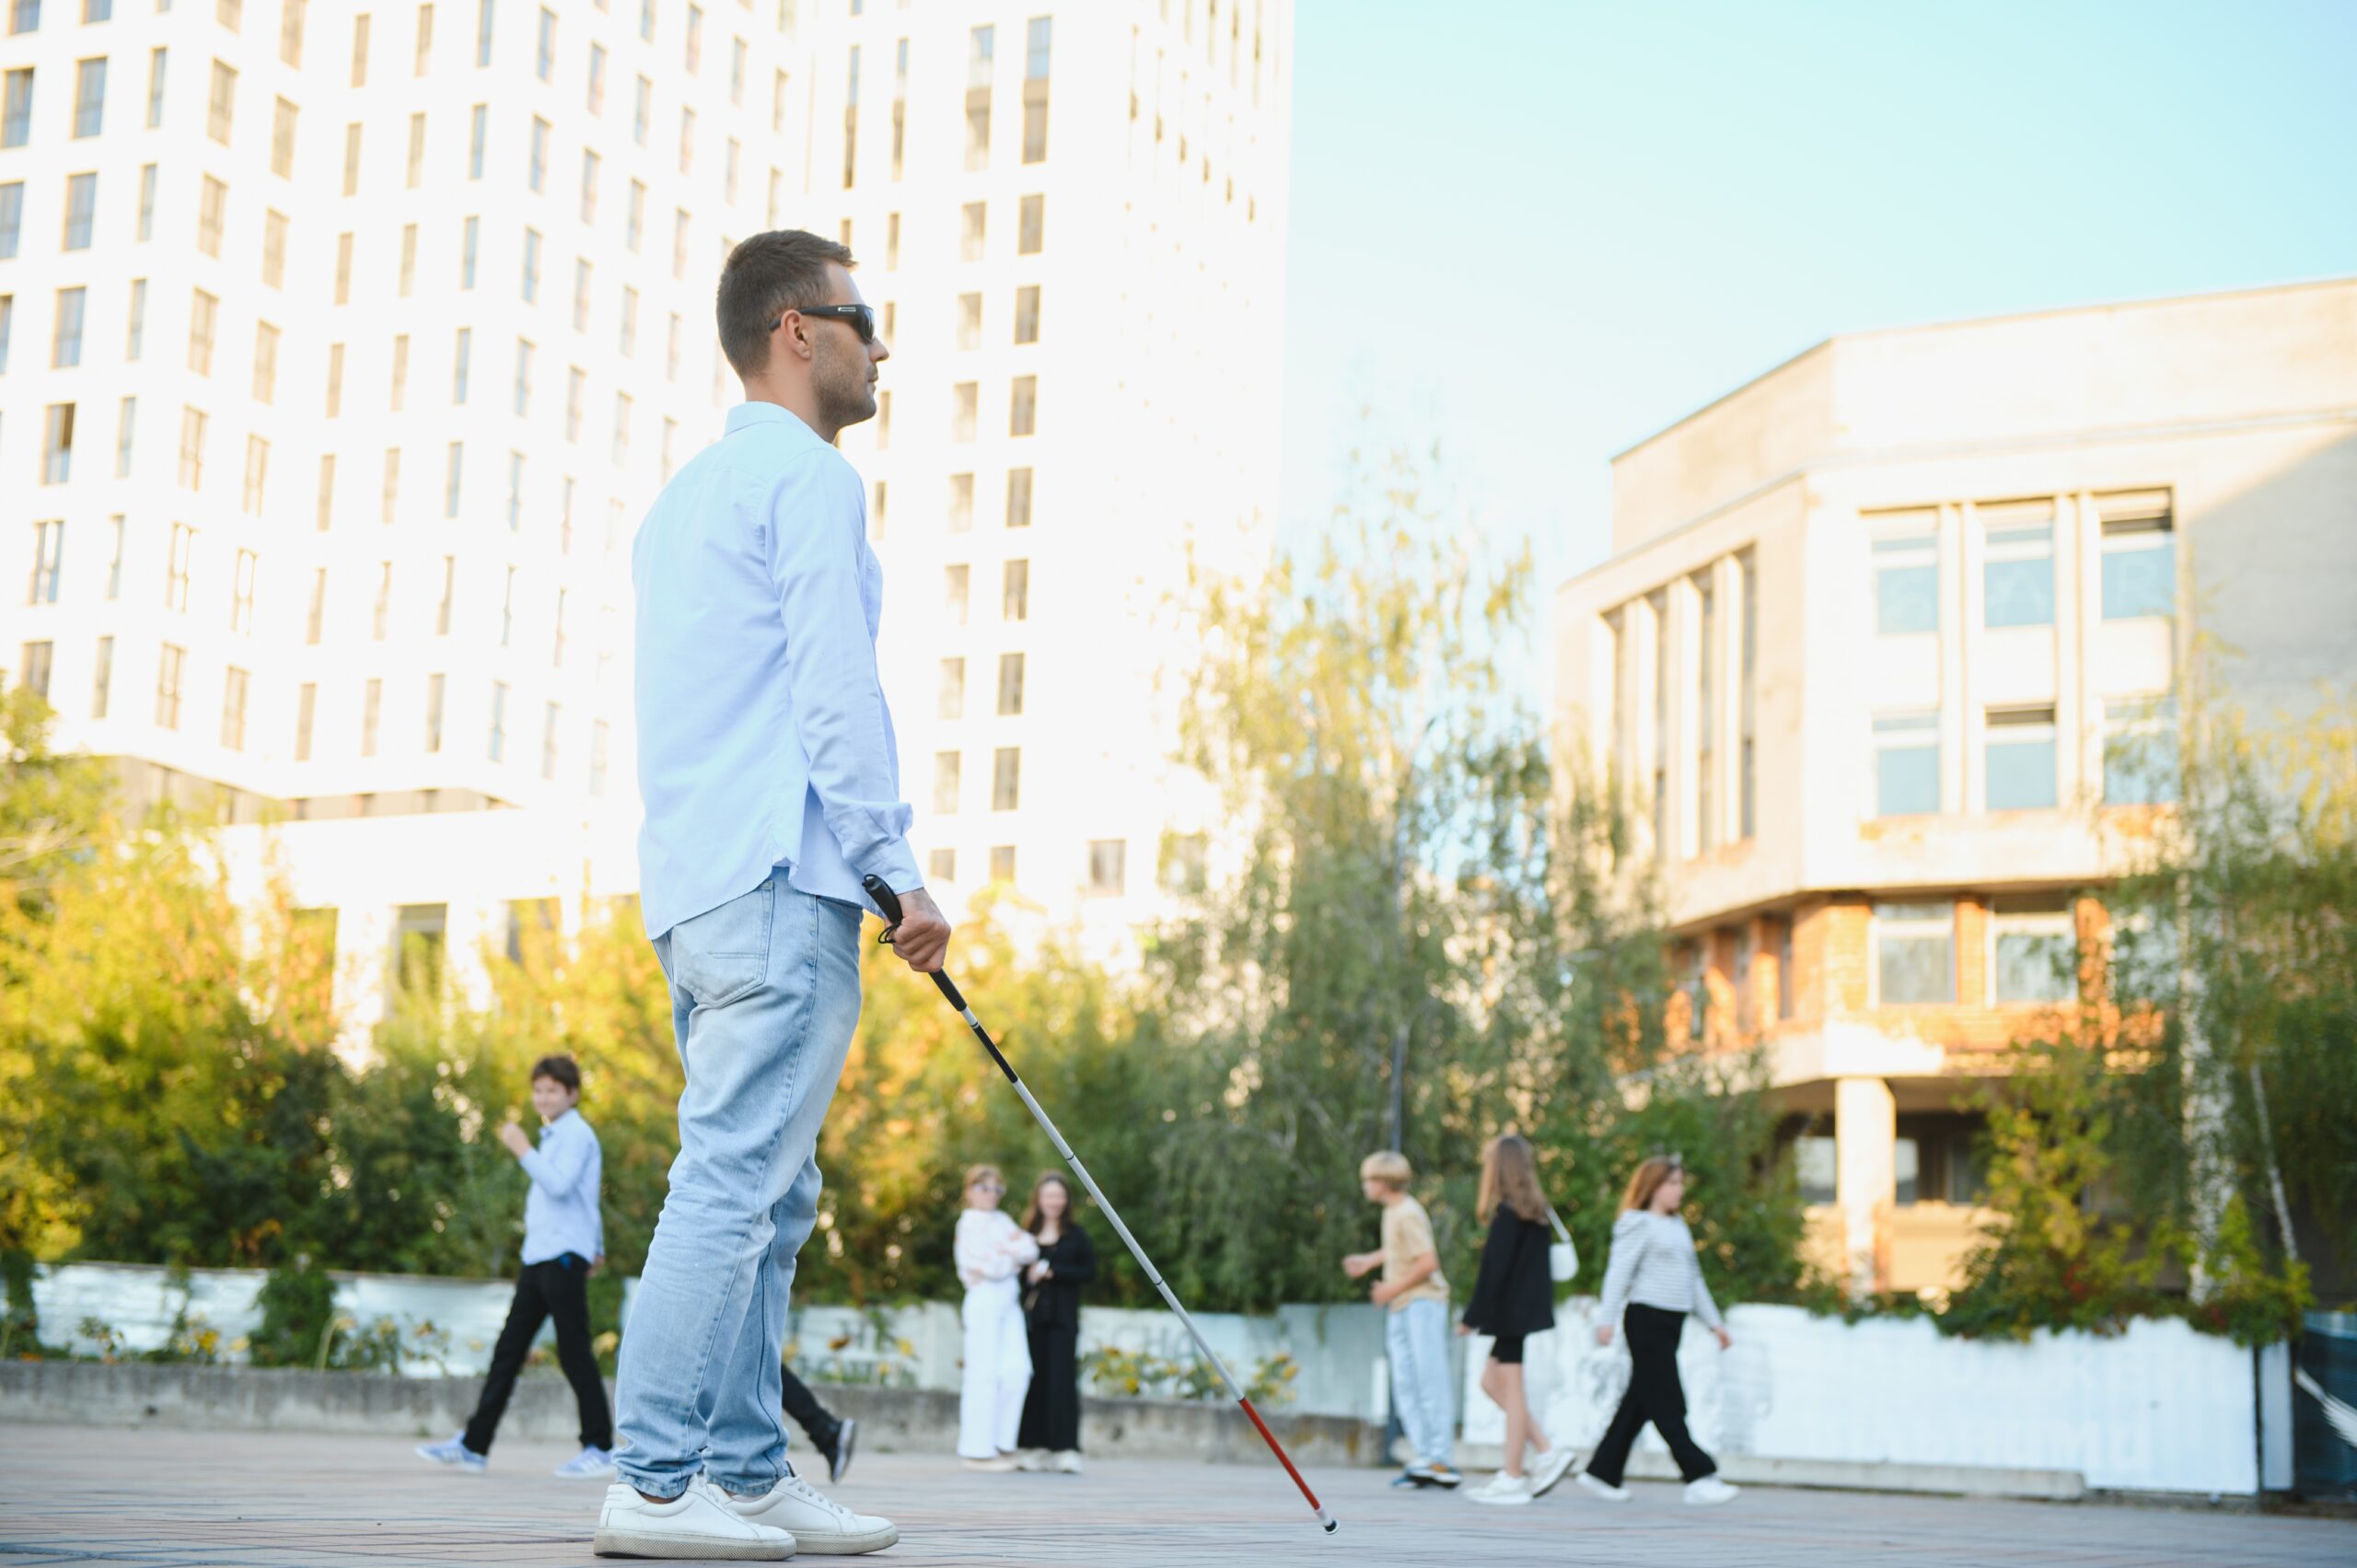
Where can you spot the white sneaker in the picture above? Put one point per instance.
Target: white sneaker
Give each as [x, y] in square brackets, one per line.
[1502, 1491]
[1064, 1461]
[1604, 1489]
[453, 1451]
[1553, 1465]
[1703, 1493]
[996, 1464]
[1032, 1459]
[820, 1526]
[590, 1464]
[696, 1524]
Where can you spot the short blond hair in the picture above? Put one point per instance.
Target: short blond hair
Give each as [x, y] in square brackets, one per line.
[1388, 1167]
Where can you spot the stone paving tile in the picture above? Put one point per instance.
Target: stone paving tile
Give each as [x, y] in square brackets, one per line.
[284, 1500]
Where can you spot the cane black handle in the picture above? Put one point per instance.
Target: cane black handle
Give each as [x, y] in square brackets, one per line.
[888, 902]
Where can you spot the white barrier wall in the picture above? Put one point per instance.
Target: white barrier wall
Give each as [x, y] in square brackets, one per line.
[2158, 1407]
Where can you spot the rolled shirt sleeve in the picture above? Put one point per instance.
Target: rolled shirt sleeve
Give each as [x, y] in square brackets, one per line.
[817, 560]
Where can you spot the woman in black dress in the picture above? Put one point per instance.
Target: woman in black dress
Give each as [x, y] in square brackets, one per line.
[1050, 1437]
[1514, 1297]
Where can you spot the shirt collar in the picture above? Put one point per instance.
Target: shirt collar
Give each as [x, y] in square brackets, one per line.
[571, 1114]
[751, 413]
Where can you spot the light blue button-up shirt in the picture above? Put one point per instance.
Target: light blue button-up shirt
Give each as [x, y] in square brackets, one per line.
[561, 1214]
[763, 739]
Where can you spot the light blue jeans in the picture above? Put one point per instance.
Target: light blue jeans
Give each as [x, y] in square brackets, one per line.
[1416, 1338]
[764, 998]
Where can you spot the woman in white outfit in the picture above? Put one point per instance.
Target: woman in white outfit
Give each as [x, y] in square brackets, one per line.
[992, 1251]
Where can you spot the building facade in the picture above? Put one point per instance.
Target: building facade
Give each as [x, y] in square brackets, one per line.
[1885, 664]
[343, 346]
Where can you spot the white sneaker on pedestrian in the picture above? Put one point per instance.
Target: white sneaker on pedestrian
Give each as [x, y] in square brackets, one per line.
[1064, 1461]
[1502, 1491]
[1604, 1489]
[1031, 1460]
[455, 1453]
[697, 1524]
[996, 1464]
[820, 1526]
[1709, 1490]
[1553, 1465]
[590, 1464]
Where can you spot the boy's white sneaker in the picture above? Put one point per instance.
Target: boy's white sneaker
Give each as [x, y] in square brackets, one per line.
[453, 1451]
[698, 1524]
[1604, 1489]
[819, 1525]
[1502, 1491]
[1703, 1493]
[590, 1464]
[1553, 1465]
[1064, 1461]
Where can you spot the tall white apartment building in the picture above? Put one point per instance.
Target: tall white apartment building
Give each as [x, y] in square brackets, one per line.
[344, 344]
[1072, 221]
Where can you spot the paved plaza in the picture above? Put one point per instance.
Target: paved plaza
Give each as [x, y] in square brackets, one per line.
[80, 1494]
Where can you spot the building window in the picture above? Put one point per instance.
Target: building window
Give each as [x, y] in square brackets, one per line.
[202, 312]
[351, 158]
[452, 468]
[2017, 574]
[1027, 314]
[257, 475]
[170, 668]
[212, 215]
[1019, 498]
[81, 210]
[57, 445]
[1001, 863]
[531, 279]
[48, 553]
[233, 709]
[941, 866]
[65, 333]
[1907, 763]
[576, 388]
[462, 356]
[1035, 89]
[497, 749]
[135, 334]
[102, 678]
[372, 707]
[961, 503]
[980, 44]
[973, 222]
[389, 496]
[1786, 990]
[90, 97]
[399, 388]
[953, 593]
[1031, 226]
[944, 784]
[478, 136]
[2033, 952]
[1657, 605]
[1706, 715]
[1010, 684]
[1907, 573]
[416, 168]
[2019, 743]
[508, 609]
[1108, 870]
[307, 708]
[551, 720]
[1748, 762]
[221, 107]
[176, 565]
[2139, 563]
[597, 92]
[1023, 406]
[12, 215]
[482, 33]
[544, 57]
[1914, 954]
[969, 321]
[315, 616]
[600, 739]
[950, 696]
[434, 691]
[114, 557]
[16, 117]
[965, 405]
[1014, 598]
[2140, 750]
[1006, 779]
[423, 51]
[324, 512]
[241, 593]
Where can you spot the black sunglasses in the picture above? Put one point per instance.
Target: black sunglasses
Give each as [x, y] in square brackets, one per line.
[861, 317]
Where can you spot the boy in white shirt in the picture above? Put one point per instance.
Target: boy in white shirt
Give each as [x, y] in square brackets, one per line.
[564, 1239]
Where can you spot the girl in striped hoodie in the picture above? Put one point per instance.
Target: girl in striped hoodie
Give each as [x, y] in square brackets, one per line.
[1656, 1277]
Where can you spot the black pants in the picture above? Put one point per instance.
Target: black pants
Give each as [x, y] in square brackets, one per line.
[818, 1422]
[1051, 1405]
[557, 1288]
[1655, 1395]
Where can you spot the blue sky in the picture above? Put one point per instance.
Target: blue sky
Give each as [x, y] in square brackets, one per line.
[1541, 230]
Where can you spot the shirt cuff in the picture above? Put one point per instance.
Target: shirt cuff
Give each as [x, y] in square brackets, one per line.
[896, 863]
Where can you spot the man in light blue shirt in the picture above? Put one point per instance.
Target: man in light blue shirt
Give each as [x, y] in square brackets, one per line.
[767, 766]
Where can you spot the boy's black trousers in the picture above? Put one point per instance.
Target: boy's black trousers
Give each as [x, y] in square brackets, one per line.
[557, 1288]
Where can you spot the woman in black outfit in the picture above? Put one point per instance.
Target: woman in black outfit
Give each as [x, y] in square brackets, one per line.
[1514, 1297]
[1049, 1436]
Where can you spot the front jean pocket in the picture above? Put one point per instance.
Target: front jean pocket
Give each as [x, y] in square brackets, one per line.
[723, 954]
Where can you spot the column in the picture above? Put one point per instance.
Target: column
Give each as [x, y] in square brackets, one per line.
[1866, 1147]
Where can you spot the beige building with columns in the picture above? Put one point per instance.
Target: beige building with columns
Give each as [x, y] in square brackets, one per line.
[1881, 664]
